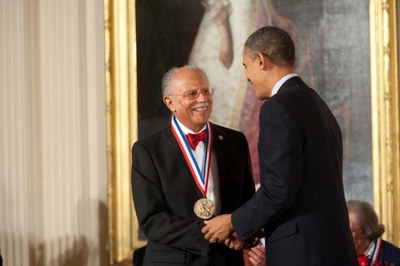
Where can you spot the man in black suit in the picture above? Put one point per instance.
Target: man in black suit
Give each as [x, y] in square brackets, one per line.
[300, 204]
[177, 184]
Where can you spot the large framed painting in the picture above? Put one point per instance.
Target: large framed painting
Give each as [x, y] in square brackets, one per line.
[346, 51]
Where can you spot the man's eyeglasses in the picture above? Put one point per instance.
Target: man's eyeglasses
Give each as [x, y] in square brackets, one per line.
[355, 230]
[193, 94]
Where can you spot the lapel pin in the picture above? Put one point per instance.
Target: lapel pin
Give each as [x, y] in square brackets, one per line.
[220, 137]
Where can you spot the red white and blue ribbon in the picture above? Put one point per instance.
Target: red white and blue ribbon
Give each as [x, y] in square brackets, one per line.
[377, 250]
[200, 175]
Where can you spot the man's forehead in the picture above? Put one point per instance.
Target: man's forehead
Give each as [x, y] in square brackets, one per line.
[195, 79]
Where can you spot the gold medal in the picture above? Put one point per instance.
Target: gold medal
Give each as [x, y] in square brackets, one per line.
[204, 208]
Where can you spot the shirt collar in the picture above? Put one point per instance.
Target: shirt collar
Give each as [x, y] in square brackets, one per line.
[279, 84]
[186, 130]
[370, 249]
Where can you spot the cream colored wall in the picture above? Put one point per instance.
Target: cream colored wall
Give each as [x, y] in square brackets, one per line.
[53, 176]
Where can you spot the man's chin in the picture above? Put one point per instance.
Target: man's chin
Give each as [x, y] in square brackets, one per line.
[202, 121]
[202, 116]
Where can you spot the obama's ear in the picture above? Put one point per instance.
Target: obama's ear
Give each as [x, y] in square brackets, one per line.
[264, 62]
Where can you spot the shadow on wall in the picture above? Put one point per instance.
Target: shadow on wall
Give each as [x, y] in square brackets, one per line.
[73, 249]
[103, 233]
[76, 253]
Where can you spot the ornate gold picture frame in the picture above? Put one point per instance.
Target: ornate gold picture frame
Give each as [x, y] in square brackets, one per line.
[120, 36]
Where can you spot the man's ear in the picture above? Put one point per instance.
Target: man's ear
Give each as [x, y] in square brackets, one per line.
[264, 62]
[169, 103]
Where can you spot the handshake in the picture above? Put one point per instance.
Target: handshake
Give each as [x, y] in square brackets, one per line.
[220, 230]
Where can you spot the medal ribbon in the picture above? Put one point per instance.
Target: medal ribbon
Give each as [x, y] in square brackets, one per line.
[376, 251]
[200, 177]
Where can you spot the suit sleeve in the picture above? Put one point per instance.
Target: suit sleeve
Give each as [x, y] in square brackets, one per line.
[281, 162]
[155, 220]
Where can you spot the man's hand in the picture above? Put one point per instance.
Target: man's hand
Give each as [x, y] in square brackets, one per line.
[218, 229]
[233, 242]
[256, 255]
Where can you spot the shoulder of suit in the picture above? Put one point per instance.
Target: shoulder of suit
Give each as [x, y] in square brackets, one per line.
[228, 135]
[156, 135]
[391, 246]
[225, 130]
[295, 91]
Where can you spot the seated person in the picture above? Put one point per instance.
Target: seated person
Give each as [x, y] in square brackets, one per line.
[367, 232]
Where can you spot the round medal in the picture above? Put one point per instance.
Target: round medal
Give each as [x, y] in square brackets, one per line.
[204, 208]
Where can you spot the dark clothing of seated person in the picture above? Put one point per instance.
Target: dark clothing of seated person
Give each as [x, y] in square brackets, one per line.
[367, 234]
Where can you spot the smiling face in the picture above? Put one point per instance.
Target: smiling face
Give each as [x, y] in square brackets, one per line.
[193, 113]
[256, 70]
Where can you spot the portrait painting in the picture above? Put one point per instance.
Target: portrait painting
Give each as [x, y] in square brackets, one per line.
[210, 34]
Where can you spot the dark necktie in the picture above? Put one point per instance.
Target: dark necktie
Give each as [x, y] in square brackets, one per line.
[194, 139]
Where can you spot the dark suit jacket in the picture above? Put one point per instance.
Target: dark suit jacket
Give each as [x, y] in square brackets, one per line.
[389, 254]
[301, 203]
[164, 194]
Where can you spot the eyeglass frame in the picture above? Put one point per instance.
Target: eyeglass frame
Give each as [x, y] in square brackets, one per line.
[355, 230]
[195, 93]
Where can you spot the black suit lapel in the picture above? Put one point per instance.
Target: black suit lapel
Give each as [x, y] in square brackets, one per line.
[219, 148]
